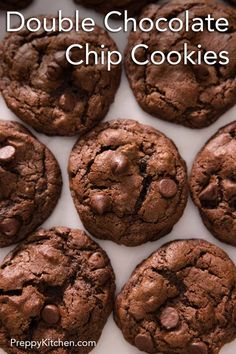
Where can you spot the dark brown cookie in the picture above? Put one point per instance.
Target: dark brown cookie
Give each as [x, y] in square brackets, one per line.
[104, 6]
[213, 184]
[180, 300]
[14, 4]
[30, 182]
[57, 285]
[128, 182]
[191, 95]
[43, 89]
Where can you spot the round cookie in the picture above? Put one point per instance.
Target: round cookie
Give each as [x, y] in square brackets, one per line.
[213, 184]
[191, 95]
[180, 300]
[128, 182]
[14, 4]
[57, 285]
[43, 89]
[104, 6]
[30, 182]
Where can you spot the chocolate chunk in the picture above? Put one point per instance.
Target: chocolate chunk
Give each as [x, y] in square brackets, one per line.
[51, 314]
[7, 153]
[54, 71]
[167, 188]
[60, 58]
[9, 226]
[67, 102]
[144, 342]
[100, 203]
[120, 164]
[209, 196]
[169, 318]
[97, 261]
[197, 348]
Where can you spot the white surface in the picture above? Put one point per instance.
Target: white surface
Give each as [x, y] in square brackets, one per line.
[188, 141]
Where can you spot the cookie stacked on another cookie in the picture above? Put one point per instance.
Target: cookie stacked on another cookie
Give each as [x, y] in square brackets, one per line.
[43, 89]
[128, 182]
[30, 182]
[191, 95]
[14, 4]
[180, 300]
[213, 184]
[56, 286]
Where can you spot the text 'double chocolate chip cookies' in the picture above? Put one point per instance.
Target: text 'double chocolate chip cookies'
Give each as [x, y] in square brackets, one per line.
[30, 182]
[128, 182]
[180, 300]
[14, 4]
[213, 184]
[43, 89]
[104, 6]
[57, 285]
[191, 95]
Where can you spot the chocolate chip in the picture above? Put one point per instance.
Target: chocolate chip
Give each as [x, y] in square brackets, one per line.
[169, 318]
[120, 164]
[60, 58]
[54, 71]
[67, 102]
[197, 348]
[100, 203]
[201, 71]
[209, 196]
[167, 188]
[7, 153]
[50, 314]
[9, 226]
[97, 261]
[144, 342]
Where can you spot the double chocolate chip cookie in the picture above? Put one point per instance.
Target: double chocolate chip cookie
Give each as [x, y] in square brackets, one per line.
[128, 182]
[104, 6]
[43, 89]
[14, 4]
[213, 184]
[191, 95]
[180, 300]
[56, 286]
[30, 183]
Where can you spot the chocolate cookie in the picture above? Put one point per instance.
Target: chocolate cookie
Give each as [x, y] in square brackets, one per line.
[213, 184]
[14, 4]
[128, 182]
[180, 300]
[43, 89]
[56, 286]
[191, 95]
[30, 182]
[104, 6]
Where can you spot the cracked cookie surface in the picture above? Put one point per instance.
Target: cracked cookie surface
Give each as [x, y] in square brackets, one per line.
[213, 184]
[30, 182]
[182, 299]
[104, 6]
[128, 182]
[14, 4]
[43, 89]
[191, 95]
[57, 285]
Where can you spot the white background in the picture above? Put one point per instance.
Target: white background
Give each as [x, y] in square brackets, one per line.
[188, 141]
